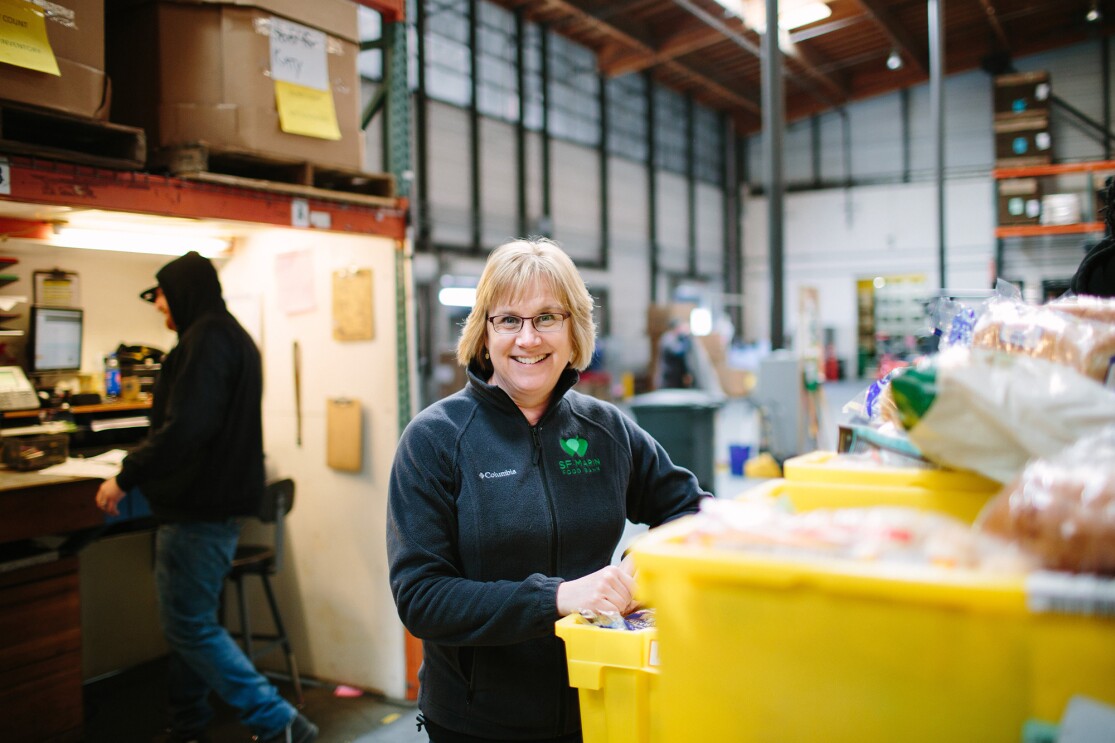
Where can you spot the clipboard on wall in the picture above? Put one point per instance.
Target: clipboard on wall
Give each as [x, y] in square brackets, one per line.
[344, 432]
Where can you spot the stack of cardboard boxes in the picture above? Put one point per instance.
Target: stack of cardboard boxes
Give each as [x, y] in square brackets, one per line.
[1022, 138]
[75, 37]
[271, 78]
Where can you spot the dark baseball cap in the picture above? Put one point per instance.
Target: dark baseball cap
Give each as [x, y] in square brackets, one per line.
[149, 295]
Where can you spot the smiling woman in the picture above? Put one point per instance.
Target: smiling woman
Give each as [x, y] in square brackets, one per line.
[507, 501]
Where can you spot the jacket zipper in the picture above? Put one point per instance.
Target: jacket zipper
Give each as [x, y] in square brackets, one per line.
[536, 435]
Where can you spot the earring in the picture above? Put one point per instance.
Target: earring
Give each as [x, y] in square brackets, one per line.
[486, 356]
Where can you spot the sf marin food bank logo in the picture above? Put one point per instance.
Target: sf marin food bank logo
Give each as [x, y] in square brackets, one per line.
[575, 446]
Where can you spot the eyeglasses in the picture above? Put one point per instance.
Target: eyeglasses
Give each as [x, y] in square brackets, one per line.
[547, 322]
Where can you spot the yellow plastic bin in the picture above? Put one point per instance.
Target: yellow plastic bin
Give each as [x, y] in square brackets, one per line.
[828, 480]
[616, 675]
[762, 648]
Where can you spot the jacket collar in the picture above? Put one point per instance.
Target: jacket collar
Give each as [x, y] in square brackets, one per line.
[478, 384]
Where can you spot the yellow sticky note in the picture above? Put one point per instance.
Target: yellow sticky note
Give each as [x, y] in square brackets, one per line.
[23, 39]
[306, 111]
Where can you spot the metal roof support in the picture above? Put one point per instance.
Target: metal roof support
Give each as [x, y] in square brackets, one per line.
[774, 123]
[936, 10]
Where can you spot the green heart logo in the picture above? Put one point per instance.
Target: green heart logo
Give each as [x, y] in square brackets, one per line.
[574, 445]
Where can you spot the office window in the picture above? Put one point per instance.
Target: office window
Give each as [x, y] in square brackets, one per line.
[447, 57]
[669, 131]
[370, 28]
[627, 117]
[708, 145]
[574, 92]
[496, 86]
[532, 77]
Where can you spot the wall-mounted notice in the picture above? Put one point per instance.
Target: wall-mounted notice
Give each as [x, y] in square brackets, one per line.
[352, 305]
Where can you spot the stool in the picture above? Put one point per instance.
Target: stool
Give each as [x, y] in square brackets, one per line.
[264, 561]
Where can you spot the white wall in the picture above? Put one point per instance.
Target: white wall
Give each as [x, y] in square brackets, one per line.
[110, 284]
[836, 236]
[333, 590]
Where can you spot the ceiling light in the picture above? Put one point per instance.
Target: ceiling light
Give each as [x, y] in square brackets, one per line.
[791, 13]
[153, 243]
[894, 60]
[1093, 15]
[457, 296]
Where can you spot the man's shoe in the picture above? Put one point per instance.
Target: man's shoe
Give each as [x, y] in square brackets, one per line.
[300, 730]
[175, 736]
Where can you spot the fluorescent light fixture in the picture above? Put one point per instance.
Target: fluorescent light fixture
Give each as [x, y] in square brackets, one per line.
[700, 321]
[791, 13]
[124, 241]
[457, 296]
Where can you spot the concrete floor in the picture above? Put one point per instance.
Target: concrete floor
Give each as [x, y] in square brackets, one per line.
[129, 707]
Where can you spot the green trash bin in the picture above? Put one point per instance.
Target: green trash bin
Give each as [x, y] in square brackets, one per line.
[684, 423]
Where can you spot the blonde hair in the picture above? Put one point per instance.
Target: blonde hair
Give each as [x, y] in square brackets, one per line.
[510, 270]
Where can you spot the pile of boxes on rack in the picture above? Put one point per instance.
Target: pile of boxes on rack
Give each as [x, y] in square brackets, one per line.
[271, 78]
[1023, 139]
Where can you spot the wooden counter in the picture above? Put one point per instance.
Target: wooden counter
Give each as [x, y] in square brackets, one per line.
[34, 505]
[40, 618]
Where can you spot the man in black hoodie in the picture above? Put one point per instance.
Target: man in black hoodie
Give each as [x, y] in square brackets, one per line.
[201, 467]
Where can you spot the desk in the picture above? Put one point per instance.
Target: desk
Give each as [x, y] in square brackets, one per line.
[40, 618]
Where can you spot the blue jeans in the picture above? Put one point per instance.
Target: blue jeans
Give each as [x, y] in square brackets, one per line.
[191, 563]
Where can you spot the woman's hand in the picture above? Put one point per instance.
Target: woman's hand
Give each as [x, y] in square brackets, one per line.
[609, 589]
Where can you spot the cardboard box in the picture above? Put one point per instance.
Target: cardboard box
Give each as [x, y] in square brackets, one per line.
[76, 32]
[1024, 141]
[199, 72]
[1022, 94]
[1060, 208]
[1019, 201]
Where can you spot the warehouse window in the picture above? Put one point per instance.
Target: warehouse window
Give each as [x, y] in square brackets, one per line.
[370, 28]
[627, 117]
[708, 146]
[496, 87]
[532, 77]
[447, 57]
[574, 92]
[669, 131]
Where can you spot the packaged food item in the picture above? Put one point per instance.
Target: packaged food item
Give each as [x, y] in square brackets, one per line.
[1045, 332]
[891, 534]
[1062, 508]
[1097, 309]
[636, 620]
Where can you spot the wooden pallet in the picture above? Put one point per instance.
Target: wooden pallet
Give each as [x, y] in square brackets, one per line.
[40, 132]
[248, 169]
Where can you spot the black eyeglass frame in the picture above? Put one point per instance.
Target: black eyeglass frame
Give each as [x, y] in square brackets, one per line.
[533, 321]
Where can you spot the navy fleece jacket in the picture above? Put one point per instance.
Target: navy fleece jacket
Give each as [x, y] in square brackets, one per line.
[487, 515]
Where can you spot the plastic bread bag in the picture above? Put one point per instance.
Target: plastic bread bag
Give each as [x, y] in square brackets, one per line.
[1096, 309]
[1049, 333]
[992, 413]
[1062, 508]
[872, 406]
[884, 534]
[636, 620]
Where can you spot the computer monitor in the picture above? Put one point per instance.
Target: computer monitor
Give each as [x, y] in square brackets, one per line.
[54, 344]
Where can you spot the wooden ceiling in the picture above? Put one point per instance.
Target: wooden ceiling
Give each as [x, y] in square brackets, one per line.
[695, 47]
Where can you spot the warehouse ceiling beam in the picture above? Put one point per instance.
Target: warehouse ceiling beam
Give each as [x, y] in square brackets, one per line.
[620, 60]
[563, 13]
[996, 25]
[737, 37]
[899, 37]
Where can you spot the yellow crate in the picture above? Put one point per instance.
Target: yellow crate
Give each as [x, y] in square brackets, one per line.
[760, 648]
[836, 469]
[826, 480]
[616, 675]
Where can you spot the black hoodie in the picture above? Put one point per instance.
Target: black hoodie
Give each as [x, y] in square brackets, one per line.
[203, 460]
